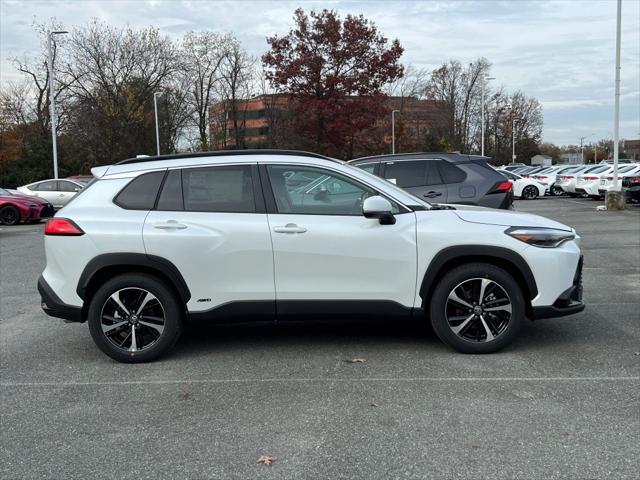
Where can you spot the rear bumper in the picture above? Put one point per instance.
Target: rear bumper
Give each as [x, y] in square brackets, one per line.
[502, 201]
[54, 307]
[568, 303]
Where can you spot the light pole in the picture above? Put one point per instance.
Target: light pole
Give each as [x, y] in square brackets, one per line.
[52, 99]
[393, 130]
[513, 141]
[155, 107]
[616, 108]
[482, 115]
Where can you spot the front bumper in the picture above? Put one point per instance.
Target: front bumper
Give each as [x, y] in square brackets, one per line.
[568, 303]
[54, 307]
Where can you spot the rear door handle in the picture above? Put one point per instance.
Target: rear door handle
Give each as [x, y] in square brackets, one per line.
[170, 225]
[432, 194]
[289, 228]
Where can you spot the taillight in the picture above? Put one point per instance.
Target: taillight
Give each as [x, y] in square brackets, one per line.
[62, 227]
[589, 178]
[541, 177]
[502, 187]
[634, 179]
[609, 178]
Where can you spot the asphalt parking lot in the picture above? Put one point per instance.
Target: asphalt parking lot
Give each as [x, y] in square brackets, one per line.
[562, 401]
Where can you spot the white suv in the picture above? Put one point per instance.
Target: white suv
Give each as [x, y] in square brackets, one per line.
[155, 241]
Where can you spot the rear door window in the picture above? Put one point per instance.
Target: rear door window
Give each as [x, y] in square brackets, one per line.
[406, 174]
[68, 186]
[171, 196]
[218, 189]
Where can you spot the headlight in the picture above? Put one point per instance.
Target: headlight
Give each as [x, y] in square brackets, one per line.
[540, 237]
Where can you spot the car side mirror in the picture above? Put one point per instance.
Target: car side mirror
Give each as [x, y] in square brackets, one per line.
[380, 208]
[77, 189]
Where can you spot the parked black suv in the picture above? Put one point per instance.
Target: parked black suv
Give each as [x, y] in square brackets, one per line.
[443, 177]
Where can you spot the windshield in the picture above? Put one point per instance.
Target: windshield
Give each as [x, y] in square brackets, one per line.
[390, 186]
[4, 192]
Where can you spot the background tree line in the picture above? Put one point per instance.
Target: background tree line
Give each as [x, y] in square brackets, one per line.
[337, 75]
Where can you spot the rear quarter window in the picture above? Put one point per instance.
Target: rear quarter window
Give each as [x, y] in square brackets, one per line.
[141, 192]
[451, 174]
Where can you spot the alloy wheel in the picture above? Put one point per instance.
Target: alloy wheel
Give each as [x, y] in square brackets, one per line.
[9, 216]
[478, 310]
[132, 319]
[530, 192]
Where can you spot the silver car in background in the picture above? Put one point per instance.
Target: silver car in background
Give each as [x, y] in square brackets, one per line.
[57, 192]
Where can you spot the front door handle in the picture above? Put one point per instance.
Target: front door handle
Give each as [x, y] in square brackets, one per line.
[289, 228]
[170, 225]
[432, 194]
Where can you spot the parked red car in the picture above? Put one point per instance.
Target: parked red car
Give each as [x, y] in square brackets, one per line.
[16, 208]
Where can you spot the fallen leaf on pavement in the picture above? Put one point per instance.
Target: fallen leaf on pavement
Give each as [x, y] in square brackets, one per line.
[266, 459]
[356, 360]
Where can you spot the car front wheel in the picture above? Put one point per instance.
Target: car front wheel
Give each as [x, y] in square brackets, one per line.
[477, 308]
[9, 215]
[135, 318]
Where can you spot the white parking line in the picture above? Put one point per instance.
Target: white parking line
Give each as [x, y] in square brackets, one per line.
[322, 379]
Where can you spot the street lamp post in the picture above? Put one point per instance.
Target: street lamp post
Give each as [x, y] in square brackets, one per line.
[393, 130]
[155, 107]
[616, 108]
[513, 141]
[482, 115]
[52, 99]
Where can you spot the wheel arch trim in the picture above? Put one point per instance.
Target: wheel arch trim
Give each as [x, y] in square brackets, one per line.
[149, 262]
[476, 253]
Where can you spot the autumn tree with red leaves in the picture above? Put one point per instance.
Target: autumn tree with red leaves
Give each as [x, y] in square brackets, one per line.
[336, 71]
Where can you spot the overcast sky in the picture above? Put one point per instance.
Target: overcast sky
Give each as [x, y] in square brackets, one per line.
[561, 52]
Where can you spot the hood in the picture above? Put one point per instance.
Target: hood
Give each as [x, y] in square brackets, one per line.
[27, 198]
[17, 199]
[507, 218]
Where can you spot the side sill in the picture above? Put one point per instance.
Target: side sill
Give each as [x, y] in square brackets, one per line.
[285, 310]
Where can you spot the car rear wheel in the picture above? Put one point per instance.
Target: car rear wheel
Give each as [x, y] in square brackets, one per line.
[477, 308]
[9, 215]
[556, 191]
[135, 318]
[530, 192]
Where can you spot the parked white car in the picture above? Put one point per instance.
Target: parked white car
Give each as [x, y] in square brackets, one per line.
[223, 235]
[549, 176]
[587, 183]
[526, 188]
[57, 192]
[567, 180]
[606, 181]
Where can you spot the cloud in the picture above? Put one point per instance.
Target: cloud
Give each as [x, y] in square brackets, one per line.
[559, 51]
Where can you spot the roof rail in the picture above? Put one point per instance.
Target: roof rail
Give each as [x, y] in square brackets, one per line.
[222, 153]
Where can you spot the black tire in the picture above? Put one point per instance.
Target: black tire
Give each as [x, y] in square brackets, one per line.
[530, 192]
[556, 191]
[9, 215]
[130, 288]
[469, 339]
